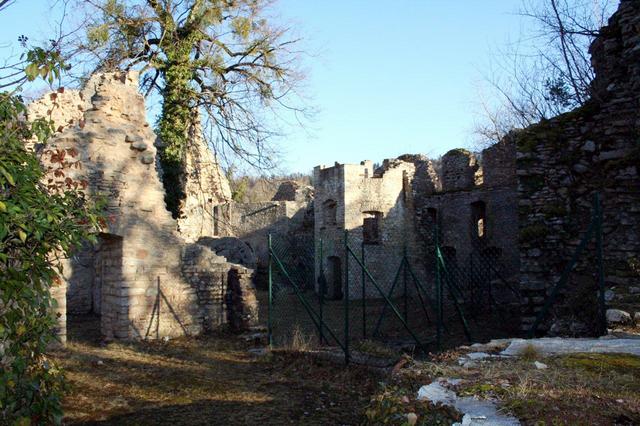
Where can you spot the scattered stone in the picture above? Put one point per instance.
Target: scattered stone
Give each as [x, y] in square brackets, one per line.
[556, 345]
[617, 316]
[133, 138]
[540, 365]
[148, 158]
[609, 295]
[139, 145]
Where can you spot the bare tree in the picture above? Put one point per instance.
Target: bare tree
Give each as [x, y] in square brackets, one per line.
[547, 72]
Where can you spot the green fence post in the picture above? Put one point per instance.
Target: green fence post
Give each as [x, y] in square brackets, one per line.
[364, 297]
[346, 296]
[602, 319]
[322, 286]
[269, 321]
[404, 282]
[438, 290]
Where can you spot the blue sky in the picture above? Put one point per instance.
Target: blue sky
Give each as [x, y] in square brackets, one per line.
[387, 77]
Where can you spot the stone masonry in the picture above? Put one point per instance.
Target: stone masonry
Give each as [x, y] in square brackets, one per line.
[143, 278]
[561, 164]
[405, 200]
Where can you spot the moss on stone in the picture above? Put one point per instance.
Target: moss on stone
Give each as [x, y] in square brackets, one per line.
[596, 363]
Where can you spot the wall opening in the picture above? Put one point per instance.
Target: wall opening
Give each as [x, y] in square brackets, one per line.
[102, 310]
[371, 227]
[478, 219]
[330, 213]
[334, 278]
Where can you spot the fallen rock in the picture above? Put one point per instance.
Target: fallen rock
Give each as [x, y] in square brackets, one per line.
[617, 316]
[556, 345]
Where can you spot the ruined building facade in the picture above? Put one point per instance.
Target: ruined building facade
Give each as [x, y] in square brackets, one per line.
[524, 209]
[522, 206]
[400, 207]
[144, 278]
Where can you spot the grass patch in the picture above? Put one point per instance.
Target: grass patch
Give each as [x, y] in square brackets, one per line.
[529, 353]
[623, 364]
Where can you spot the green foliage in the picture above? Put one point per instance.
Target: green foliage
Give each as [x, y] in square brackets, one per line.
[215, 57]
[43, 63]
[239, 185]
[38, 223]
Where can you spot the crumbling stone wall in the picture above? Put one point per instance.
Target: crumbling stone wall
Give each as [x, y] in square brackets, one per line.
[145, 292]
[465, 186]
[346, 197]
[411, 198]
[288, 216]
[205, 187]
[561, 163]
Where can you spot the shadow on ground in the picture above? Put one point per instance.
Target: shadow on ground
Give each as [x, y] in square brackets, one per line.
[204, 381]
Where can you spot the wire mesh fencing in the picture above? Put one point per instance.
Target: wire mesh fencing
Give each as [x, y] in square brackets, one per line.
[349, 293]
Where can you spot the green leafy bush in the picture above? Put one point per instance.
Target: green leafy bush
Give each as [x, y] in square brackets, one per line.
[39, 223]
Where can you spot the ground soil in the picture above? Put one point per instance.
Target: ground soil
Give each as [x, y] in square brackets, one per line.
[211, 380]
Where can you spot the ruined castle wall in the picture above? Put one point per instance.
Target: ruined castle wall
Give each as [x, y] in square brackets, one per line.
[253, 222]
[465, 188]
[206, 186]
[138, 264]
[561, 164]
[359, 195]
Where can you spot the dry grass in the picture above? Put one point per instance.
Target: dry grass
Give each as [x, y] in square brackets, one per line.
[206, 381]
[529, 353]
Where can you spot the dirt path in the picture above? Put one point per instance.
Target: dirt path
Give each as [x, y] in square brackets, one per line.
[207, 381]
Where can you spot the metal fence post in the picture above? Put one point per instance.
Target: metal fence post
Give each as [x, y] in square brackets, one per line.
[322, 286]
[602, 319]
[404, 281]
[438, 290]
[364, 297]
[269, 320]
[346, 297]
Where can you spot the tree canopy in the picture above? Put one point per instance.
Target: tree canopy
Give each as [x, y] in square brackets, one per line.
[220, 61]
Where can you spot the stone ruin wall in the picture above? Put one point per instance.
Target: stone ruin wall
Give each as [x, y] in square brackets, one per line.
[288, 216]
[463, 185]
[205, 187]
[151, 282]
[412, 198]
[561, 164]
[355, 192]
